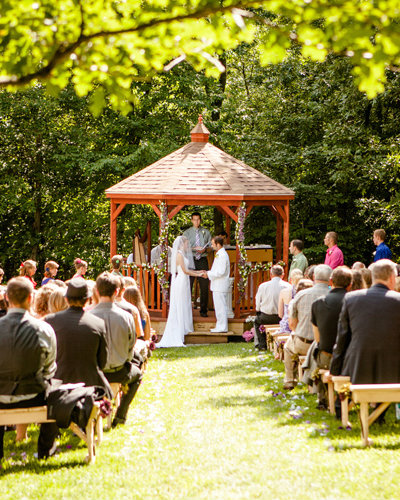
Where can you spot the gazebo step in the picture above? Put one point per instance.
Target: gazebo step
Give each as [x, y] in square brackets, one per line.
[208, 333]
[199, 338]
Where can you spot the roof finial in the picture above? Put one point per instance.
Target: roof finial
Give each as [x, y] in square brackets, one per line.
[200, 132]
[200, 118]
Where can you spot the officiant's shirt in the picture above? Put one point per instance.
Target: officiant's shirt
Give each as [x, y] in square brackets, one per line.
[204, 238]
[267, 297]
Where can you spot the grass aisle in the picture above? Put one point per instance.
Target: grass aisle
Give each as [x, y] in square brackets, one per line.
[208, 424]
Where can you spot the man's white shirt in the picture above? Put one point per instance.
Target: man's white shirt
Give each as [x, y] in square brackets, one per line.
[267, 297]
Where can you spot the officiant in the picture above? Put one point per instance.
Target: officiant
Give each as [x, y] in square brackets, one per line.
[200, 240]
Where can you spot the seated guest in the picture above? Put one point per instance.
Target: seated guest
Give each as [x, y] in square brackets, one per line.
[120, 301]
[382, 250]
[117, 262]
[50, 271]
[324, 317]
[267, 304]
[27, 359]
[120, 336]
[133, 296]
[28, 270]
[80, 268]
[81, 343]
[358, 265]
[1, 274]
[368, 342]
[286, 295]
[304, 283]
[367, 277]
[357, 282]
[57, 300]
[3, 301]
[309, 272]
[302, 335]
[41, 301]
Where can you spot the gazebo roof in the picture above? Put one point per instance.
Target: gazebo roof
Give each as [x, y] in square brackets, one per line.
[199, 169]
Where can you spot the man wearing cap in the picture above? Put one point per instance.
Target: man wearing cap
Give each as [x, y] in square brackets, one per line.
[81, 342]
[27, 359]
[121, 337]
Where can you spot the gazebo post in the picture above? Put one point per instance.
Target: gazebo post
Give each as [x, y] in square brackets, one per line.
[113, 229]
[228, 228]
[278, 237]
[286, 238]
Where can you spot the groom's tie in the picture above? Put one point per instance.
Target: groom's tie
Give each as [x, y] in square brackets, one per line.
[197, 244]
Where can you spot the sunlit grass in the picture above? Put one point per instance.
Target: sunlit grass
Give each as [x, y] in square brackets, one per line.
[212, 422]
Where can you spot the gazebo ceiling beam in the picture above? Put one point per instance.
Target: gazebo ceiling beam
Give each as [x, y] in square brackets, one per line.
[118, 210]
[281, 212]
[174, 211]
[156, 209]
[228, 212]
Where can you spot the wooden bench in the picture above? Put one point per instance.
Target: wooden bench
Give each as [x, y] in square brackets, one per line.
[300, 368]
[116, 390]
[341, 384]
[269, 331]
[279, 341]
[38, 415]
[331, 393]
[385, 394]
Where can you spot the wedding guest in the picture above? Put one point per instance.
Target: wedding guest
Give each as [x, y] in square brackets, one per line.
[50, 272]
[334, 256]
[224, 236]
[199, 239]
[368, 342]
[304, 283]
[120, 336]
[3, 301]
[325, 313]
[27, 360]
[28, 270]
[133, 296]
[309, 272]
[41, 301]
[80, 268]
[117, 262]
[267, 299]
[382, 250]
[81, 343]
[286, 295]
[129, 281]
[1, 274]
[302, 335]
[358, 265]
[57, 301]
[121, 301]
[155, 256]
[357, 282]
[299, 260]
[367, 277]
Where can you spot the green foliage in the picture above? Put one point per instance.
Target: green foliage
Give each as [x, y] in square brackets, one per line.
[108, 45]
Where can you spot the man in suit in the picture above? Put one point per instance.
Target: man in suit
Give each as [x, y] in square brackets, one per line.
[121, 337]
[81, 343]
[199, 239]
[368, 342]
[219, 278]
[27, 359]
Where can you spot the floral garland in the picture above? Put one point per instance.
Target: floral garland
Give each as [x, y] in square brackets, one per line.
[163, 242]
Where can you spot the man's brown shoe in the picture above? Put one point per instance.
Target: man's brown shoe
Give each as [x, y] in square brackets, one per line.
[288, 387]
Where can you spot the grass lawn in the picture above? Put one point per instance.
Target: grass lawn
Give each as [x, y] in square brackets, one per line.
[210, 422]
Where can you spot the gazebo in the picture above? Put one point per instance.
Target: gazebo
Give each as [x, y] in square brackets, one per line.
[201, 174]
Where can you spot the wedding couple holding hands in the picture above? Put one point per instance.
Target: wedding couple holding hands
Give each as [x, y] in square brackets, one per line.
[189, 261]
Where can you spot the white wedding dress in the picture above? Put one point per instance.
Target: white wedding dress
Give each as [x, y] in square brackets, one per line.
[180, 317]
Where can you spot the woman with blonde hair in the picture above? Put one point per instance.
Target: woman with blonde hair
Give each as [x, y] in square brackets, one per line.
[57, 300]
[133, 296]
[80, 267]
[41, 301]
[28, 270]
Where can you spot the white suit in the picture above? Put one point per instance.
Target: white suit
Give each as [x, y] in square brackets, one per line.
[219, 285]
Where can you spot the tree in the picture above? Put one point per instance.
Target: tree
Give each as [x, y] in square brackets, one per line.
[108, 44]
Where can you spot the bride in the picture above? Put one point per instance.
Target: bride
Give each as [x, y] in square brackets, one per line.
[180, 318]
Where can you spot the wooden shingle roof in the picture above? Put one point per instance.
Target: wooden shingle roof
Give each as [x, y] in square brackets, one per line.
[199, 169]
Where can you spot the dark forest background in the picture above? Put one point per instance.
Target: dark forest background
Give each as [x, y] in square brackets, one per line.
[303, 123]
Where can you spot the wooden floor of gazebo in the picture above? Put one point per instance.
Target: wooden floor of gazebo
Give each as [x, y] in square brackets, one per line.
[202, 327]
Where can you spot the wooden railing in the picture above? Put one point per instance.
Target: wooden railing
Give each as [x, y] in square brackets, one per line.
[248, 301]
[152, 294]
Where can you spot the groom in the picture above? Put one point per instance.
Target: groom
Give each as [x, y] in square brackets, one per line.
[219, 277]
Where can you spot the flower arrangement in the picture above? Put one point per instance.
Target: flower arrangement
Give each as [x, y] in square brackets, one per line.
[163, 242]
[248, 335]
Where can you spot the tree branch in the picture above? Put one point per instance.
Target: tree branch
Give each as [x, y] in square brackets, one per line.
[65, 50]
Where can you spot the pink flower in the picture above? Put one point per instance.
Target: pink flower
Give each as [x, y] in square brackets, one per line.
[152, 346]
[154, 337]
[248, 335]
[262, 328]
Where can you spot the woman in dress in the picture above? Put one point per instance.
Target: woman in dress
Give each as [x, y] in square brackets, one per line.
[180, 318]
[80, 268]
[28, 270]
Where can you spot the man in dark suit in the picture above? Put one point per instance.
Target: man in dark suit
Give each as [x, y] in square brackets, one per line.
[81, 343]
[27, 360]
[368, 342]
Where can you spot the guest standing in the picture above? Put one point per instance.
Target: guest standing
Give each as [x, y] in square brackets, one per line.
[299, 260]
[80, 268]
[382, 250]
[50, 272]
[334, 256]
[28, 270]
